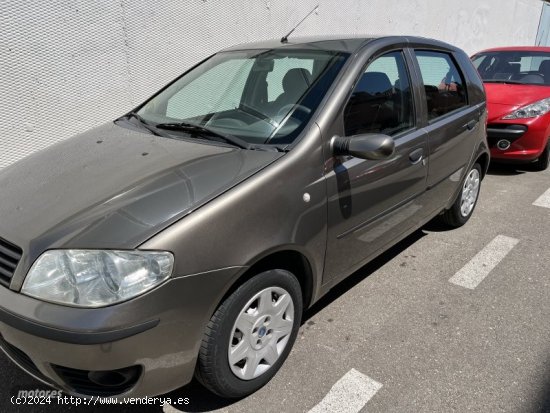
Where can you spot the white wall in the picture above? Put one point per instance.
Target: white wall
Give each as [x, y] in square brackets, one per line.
[67, 65]
[543, 35]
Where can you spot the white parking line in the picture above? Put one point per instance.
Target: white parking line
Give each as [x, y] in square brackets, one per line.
[484, 262]
[349, 394]
[168, 408]
[543, 200]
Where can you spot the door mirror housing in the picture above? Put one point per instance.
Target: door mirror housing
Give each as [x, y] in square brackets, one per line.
[371, 146]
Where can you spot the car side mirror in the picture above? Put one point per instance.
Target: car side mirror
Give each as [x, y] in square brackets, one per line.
[372, 146]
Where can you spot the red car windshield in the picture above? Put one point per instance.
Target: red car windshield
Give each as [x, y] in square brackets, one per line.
[516, 67]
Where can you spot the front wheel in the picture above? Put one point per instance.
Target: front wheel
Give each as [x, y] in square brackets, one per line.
[466, 201]
[250, 335]
[544, 160]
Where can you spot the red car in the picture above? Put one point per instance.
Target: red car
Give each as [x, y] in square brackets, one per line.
[517, 81]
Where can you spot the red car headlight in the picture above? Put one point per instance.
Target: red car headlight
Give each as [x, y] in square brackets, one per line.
[532, 110]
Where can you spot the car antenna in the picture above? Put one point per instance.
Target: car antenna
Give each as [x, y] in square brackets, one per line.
[284, 39]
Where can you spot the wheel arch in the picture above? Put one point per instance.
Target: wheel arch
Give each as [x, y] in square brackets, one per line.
[288, 259]
[483, 160]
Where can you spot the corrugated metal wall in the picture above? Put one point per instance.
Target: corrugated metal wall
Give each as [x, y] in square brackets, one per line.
[67, 65]
[543, 35]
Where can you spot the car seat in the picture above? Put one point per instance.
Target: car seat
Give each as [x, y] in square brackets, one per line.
[544, 70]
[295, 83]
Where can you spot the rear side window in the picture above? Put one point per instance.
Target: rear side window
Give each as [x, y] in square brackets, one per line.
[382, 100]
[443, 82]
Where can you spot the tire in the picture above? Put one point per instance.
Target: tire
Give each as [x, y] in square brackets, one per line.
[460, 213]
[267, 303]
[544, 160]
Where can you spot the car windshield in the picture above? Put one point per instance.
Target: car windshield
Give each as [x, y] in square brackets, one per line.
[257, 96]
[515, 67]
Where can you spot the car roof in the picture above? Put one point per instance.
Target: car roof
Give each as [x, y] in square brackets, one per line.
[517, 49]
[334, 43]
[338, 43]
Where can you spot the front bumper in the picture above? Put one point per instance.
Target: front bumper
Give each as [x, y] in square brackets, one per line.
[156, 335]
[527, 137]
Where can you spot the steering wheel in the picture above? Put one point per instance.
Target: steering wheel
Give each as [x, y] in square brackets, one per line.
[255, 113]
[287, 108]
[227, 122]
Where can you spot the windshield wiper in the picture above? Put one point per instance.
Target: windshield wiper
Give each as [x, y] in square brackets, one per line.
[200, 130]
[511, 82]
[205, 132]
[147, 125]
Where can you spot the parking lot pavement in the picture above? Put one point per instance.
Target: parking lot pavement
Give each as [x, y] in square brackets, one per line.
[445, 321]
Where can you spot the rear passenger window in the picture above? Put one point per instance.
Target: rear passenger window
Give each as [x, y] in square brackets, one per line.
[382, 99]
[443, 82]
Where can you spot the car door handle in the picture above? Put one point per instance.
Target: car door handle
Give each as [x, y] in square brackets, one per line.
[416, 156]
[470, 125]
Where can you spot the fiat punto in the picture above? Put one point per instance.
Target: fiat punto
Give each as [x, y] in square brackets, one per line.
[187, 237]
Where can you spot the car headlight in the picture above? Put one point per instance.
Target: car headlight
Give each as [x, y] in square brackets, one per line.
[533, 110]
[96, 278]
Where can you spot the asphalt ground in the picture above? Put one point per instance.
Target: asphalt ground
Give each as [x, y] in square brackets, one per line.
[446, 321]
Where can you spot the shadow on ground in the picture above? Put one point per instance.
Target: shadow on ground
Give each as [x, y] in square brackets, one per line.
[542, 404]
[507, 170]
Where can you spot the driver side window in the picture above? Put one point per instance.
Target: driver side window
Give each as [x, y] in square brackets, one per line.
[382, 99]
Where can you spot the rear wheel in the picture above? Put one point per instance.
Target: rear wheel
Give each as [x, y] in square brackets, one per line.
[250, 335]
[466, 201]
[544, 160]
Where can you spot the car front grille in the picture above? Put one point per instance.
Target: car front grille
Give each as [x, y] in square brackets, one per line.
[9, 259]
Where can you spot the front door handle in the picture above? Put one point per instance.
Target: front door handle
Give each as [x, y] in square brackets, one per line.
[470, 125]
[416, 156]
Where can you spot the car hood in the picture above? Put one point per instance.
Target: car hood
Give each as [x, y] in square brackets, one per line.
[515, 95]
[114, 187]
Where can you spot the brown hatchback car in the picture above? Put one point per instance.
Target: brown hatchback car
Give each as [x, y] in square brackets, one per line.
[187, 237]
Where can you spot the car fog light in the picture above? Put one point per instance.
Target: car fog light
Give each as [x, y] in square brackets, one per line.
[503, 144]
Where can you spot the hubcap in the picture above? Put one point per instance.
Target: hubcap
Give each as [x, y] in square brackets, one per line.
[470, 192]
[261, 333]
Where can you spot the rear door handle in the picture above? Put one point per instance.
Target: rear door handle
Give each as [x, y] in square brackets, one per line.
[470, 125]
[416, 156]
